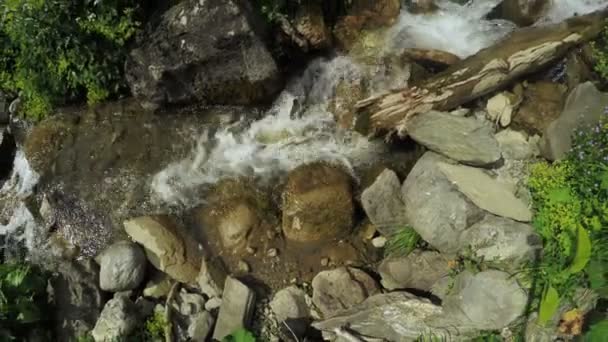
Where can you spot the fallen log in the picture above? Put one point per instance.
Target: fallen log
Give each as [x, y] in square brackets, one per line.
[523, 52]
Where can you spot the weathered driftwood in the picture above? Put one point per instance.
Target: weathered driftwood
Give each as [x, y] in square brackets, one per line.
[523, 52]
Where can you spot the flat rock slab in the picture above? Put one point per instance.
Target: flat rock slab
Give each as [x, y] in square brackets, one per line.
[486, 192]
[466, 140]
[236, 310]
[383, 204]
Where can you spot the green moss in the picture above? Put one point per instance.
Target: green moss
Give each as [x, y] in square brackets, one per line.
[600, 52]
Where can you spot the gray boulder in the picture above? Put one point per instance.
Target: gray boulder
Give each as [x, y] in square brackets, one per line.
[585, 106]
[118, 319]
[418, 270]
[204, 51]
[463, 139]
[122, 267]
[398, 316]
[340, 289]
[486, 192]
[383, 204]
[491, 299]
[434, 207]
[236, 310]
[515, 145]
[502, 241]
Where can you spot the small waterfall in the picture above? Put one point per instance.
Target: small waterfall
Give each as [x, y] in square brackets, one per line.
[562, 9]
[17, 222]
[296, 130]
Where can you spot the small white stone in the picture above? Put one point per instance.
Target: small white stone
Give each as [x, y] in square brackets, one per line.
[213, 303]
[243, 266]
[272, 252]
[379, 242]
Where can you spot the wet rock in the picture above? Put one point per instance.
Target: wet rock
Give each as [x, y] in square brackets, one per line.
[188, 304]
[421, 6]
[398, 316]
[515, 145]
[364, 14]
[122, 267]
[463, 139]
[524, 12]
[117, 320]
[78, 300]
[431, 57]
[418, 270]
[341, 288]
[43, 143]
[486, 192]
[234, 208]
[310, 24]
[158, 286]
[212, 277]
[434, 207]
[4, 114]
[383, 204]
[502, 241]
[8, 149]
[290, 303]
[490, 299]
[166, 247]
[344, 102]
[236, 310]
[585, 106]
[317, 203]
[542, 103]
[210, 51]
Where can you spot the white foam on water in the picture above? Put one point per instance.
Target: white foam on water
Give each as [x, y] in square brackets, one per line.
[21, 225]
[563, 9]
[265, 149]
[458, 29]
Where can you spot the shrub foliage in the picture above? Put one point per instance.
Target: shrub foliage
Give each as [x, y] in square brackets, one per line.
[58, 51]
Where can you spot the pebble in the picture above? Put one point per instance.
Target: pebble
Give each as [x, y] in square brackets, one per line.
[379, 242]
[243, 266]
[273, 252]
[324, 261]
[250, 250]
[213, 303]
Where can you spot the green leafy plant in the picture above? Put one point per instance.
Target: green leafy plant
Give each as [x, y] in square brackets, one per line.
[241, 335]
[57, 52]
[600, 52]
[403, 242]
[571, 203]
[155, 327]
[22, 299]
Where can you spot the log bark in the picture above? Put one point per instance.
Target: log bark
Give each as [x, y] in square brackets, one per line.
[523, 52]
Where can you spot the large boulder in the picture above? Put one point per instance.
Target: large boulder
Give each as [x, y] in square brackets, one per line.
[463, 139]
[434, 207]
[383, 204]
[340, 289]
[398, 316]
[122, 267]
[317, 203]
[167, 248]
[491, 299]
[419, 270]
[204, 51]
[585, 106]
